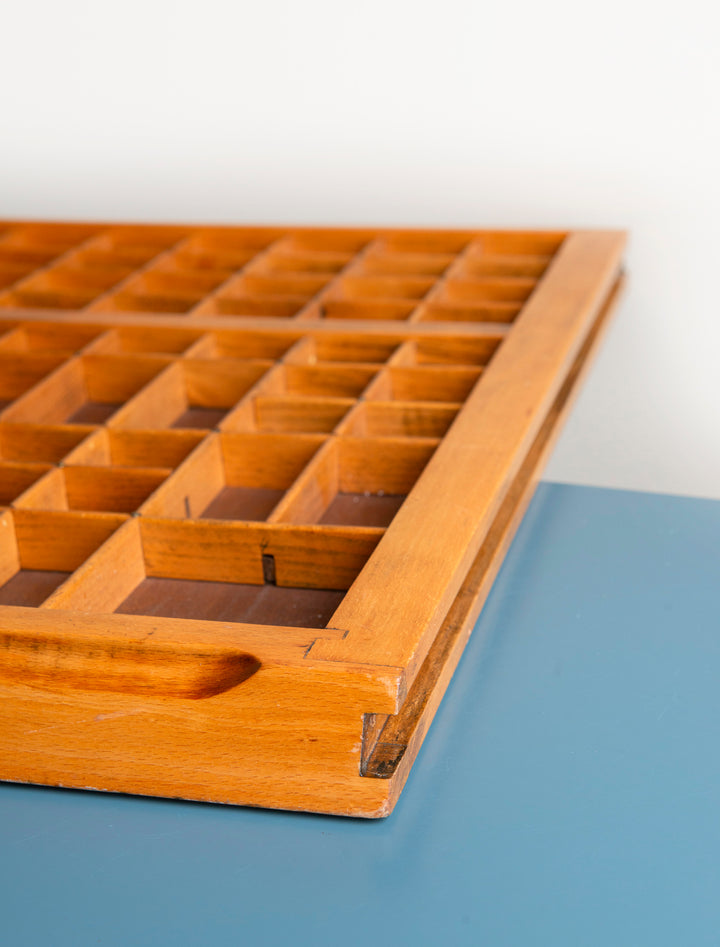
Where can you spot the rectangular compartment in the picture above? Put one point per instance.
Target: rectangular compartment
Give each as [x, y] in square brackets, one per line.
[454, 350]
[192, 393]
[249, 344]
[426, 383]
[220, 572]
[487, 265]
[21, 371]
[61, 287]
[241, 302]
[459, 311]
[93, 488]
[132, 448]
[15, 478]
[352, 347]
[57, 338]
[425, 241]
[228, 249]
[39, 551]
[281, 260]
[43, 443]
[234, 477]
[380, 309]
[371, 288]
[486, 290]
[397, 419]
[86, 390]
[356, 481]
[288, 414]
[145, 341]
[387, 263]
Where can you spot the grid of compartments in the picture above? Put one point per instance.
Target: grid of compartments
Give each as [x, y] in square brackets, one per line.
[406, 276]
[237, 475]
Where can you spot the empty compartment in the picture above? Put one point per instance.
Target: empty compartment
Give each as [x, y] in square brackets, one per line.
[86, 390]
[295, 261]
[427, 383]
[11, 272]
[63, 287]
[192, 393]
[468, 312]
[44, 443]
[228, 249]
[93, 489]
[482, 265]
[20, 371]
[356, 482]
[127, 301]
[353, 347]
[397, 419]
[148, 340]
[248, 344]
[31, 298]
[382, 287]
[38, 551]
[519, 242]
[473, 291]
[133, 448]
[135, 246]
[246, 304]
[424, 241]
[305, 285]
[383, 309]
[291, 414]
[454, 350]
[16, 477]
[327, 241]
[234, 477]
[257, 574]
[386, 263]
[341, 381]
[58, 338]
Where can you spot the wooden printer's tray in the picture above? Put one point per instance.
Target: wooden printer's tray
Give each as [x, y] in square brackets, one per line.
[255, 484]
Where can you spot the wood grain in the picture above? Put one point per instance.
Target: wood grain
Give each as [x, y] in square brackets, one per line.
[258, 481]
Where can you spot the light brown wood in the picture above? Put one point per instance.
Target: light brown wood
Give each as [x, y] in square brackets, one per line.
[258, 482]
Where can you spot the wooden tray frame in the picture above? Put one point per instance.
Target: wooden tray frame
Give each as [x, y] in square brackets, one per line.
[317, 719]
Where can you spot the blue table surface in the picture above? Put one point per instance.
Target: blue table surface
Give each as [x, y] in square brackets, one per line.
[568, 791]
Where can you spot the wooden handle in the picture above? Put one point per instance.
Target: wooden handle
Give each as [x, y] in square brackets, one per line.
[129, 667]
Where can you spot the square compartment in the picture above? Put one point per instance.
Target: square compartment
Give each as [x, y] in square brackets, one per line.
[356, 482]
[234, 477]
[120, 448]
[289, 414]
[93, 489]
[20, 371]
[397, 419]
[35, 555]
[86, 390]
[427, 383]
[386, 263]
[363, 288]
[56, 338]
[192, 393]
[362, 348]
[487, 290]
[148, 340]
[43, 443]
[16, 477]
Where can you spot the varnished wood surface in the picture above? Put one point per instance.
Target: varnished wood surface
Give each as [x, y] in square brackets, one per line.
[309, 447]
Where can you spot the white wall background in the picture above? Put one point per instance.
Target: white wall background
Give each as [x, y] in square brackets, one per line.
[554, 114]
